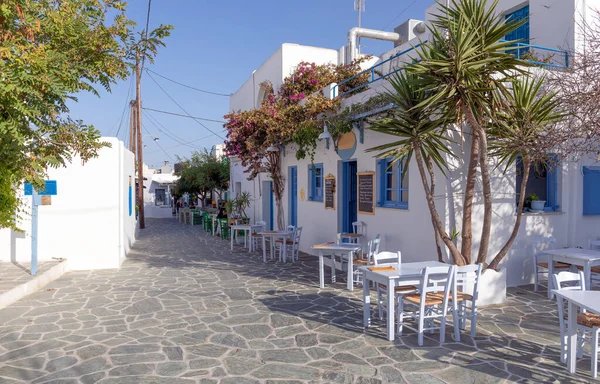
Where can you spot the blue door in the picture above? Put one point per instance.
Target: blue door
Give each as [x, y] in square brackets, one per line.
[293, 196]
[349, 196]
[271, 206]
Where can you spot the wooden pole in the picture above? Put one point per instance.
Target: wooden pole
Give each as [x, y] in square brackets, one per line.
[140, 164]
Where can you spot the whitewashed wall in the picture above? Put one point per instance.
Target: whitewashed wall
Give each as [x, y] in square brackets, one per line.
[88, 222]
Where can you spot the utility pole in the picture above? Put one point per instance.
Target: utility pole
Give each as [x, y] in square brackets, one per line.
[140, 147]
[132, 125]
[359, 5]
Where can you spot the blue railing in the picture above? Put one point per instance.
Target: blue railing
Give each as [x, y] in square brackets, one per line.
[520, 50]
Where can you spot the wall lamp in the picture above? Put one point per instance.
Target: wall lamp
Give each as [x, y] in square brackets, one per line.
[325, 134]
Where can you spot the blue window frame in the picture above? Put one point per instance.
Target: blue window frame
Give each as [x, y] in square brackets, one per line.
[543, 181]
[159, 197]
[591, 190]
[315, 182]
[521, 33]
[393, 188]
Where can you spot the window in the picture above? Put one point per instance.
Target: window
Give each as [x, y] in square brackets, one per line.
[521, 33]
[543, 182]
[591, 190]
[159, 197]
[393, 188]
[315, 182]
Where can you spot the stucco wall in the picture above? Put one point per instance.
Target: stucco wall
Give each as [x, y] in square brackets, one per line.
[88, 222]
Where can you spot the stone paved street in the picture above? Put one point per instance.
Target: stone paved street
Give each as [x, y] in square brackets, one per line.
[14, 274]
[184, 309]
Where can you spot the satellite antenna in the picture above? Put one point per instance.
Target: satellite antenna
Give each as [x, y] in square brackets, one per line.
[359, 5]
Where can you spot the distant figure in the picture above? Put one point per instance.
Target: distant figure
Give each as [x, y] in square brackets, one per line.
[222, 211]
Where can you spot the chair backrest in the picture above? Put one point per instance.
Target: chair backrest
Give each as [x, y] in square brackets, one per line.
[466, 276]
[291, 228]
[373, 248]
[594, 244]
[297, 235]
[542, 244]
[262, 225]
[437, 279]
[566, 277]
[387, 257]
[358, 227]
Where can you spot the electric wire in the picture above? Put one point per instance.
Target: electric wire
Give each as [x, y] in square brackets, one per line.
[189, 142]
[146, 32]
[159, 146]
[400, 14]
[186, 116]
[124, 109]
[167, 132]
[190, 87]
[183, 109]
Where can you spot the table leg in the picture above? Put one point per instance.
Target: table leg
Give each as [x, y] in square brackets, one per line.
[572, 339]
[284, 249]
[350, 282]
[366, 302]
[231, 237]
[390, 311]
[321, 271]
[264, 248]
[550, 274]
[249, 237]
[587, 273]
[333, 268]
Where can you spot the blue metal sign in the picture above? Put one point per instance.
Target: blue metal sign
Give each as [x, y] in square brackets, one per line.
[50, 189]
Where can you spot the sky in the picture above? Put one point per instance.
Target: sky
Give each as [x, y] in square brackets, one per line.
[215, 46]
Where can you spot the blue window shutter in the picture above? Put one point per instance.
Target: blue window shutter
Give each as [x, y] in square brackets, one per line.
[311, 182]
[381, 179]
[591, 190]
[552, 186]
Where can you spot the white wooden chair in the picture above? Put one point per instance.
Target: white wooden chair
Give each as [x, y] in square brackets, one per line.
[256, 237]
[358, 228]
[372, 249]
[586, 322]
[291, 247]
[464, 303]
[432, 301]
[385, 258]
[290, 228]
[540, 260]
[595, 276]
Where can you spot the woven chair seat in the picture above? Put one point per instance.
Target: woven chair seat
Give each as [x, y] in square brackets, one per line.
[461, 296]
[556, 265]
[593, 269]
[430, 299]
[402, 288]
[361, 262]
[588, 319]
[257, 235]
[288, 242]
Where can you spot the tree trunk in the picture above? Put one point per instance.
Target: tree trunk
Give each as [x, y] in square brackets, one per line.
[435, 217]
[436, 234]
[487, 191]
[466, 230]
[278, 187]
[513, 235]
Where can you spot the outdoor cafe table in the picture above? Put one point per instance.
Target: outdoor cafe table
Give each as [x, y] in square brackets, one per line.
[273, 235]
[392, 275]
[247, 228]
[332, 249]
[588, 300]
[586, 258]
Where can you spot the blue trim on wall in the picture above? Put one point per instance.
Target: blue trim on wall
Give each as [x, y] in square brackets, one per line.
[130, 200]
[383, 171]
[315, 193]
[293, 195]
[591, 191]
[271, 202]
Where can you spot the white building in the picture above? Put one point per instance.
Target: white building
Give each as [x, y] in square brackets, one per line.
[401, 215]
[158, 184]
[91, 220]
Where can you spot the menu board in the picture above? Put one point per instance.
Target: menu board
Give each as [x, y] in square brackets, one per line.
[329, 192]
[366, 192]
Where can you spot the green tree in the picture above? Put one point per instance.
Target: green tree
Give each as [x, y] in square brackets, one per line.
[49, 52]
[203, 173]
[465, 76]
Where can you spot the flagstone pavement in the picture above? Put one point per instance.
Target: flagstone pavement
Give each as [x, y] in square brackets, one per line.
[185, 309]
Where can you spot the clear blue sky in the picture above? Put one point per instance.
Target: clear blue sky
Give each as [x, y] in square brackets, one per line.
[215, 46]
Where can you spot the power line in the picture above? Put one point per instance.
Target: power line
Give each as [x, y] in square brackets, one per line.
[190, 87]
[186, 116]
[159, 146]
[189, 142]
[400, 14]
[124, 108]
[168, 133]
[183, 109]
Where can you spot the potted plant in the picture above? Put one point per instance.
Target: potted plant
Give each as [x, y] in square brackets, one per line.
[535, 203]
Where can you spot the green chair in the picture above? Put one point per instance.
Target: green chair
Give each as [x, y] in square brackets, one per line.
[224, 229]
[196, 217]
[207, 222]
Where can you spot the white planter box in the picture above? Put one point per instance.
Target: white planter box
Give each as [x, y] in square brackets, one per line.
[492, 287]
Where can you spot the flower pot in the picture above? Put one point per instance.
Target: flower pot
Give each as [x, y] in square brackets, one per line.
[538, 205]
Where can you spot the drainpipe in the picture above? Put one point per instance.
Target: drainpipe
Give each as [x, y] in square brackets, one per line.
[355, 33]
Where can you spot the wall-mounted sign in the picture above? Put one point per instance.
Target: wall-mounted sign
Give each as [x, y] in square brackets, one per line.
[302, 194]
[330, 192]
[50, 189]
[46, 200]
[366, 192]
[346, 145]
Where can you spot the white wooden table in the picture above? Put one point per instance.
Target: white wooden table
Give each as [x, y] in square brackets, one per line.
[247, 228]
[589, 300]
[272, 235]
[586, 258]
[332, 249]
[403, 274]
